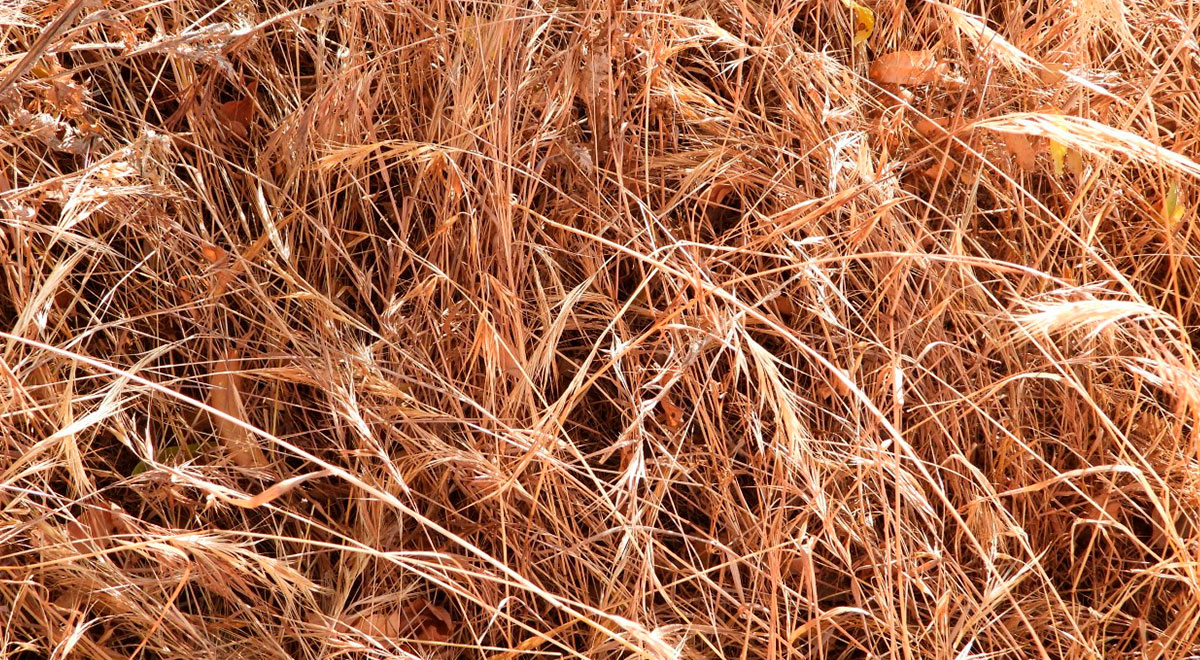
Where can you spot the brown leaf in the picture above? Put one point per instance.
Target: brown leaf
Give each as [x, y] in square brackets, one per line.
[673, 413]
[786, 307]
[1018, 145]
[1054, 68]
[891, 96]
[53, 9]
[381, 623]
[94, 526]
[941, 168]
[67, 97]
[498, 348]
[435, 622]
[225, 396]
[80, 535]
[105, 521]
[418, 620]
[88, 129]
[213, 254]
[907, 67]
[508, 357]
[715, 195]
[1075, 162]
[237, 116]
[47, 66]
[933, 129]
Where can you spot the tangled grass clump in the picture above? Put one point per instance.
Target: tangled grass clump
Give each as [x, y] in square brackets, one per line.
[748, 330]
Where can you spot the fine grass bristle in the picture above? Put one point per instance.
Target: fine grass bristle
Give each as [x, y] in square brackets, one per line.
[730, 330]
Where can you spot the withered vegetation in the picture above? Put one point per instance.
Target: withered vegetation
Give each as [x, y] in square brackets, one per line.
[701, 329]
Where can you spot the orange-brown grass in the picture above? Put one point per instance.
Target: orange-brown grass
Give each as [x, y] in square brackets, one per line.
[537, 328]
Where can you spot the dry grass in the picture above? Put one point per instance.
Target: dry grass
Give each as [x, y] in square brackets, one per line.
[664, 330]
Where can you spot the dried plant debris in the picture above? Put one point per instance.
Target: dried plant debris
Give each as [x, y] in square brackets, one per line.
[831, 330]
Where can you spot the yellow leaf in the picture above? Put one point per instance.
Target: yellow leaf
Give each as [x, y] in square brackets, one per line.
[1172, 210]
[864, 21]
[1058, 152]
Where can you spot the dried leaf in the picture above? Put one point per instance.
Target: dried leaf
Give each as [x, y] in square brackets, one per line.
[1054, 68]
[95, 525]
[864, 21]
[501, 349]
[418, 620]
[1172, 209]
[841, 387]
[907, 67]
[225, 396]
[673, 413]
[237, 116]
[81, 537]
[106, 521]
[1075, 162]
[379, 623]
[269, 495]
[435, 622]
[54, 9]
[933, 129]
[46, 67]
[212, 253]
[1091, 138]
[1018, 145]
[715, 195]
[89, 129]
[786, 307]
[67, 97]
[941, 168]
[1058, 152]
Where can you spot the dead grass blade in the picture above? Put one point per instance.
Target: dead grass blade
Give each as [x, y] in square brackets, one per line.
[769, 331]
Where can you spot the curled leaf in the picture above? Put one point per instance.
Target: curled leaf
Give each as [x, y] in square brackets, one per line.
[212, 253]
[864, 21]
[1172, 209]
